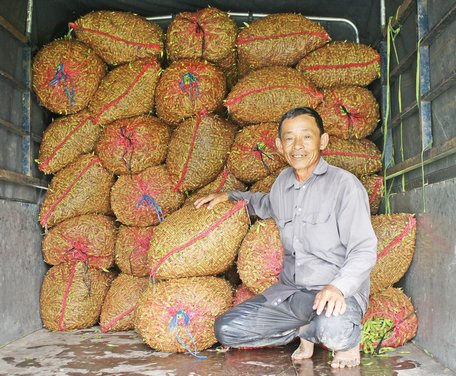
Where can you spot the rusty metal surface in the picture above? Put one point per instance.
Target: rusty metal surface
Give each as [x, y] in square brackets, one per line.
[90, 352]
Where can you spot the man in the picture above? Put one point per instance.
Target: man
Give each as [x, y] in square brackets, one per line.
[330, 247]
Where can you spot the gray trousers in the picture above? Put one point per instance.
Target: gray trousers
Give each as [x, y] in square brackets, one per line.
[258, 323]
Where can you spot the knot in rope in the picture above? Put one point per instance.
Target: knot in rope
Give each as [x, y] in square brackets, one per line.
[151, 203]
[260, 148]
[68, 86]
[173, 326]
[189, 83]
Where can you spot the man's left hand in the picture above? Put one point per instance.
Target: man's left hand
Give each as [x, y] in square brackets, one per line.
[331, 298]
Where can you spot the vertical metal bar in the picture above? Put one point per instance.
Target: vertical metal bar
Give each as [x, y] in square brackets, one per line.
[382, 14]
[425, 76]
[26, 149]
[388, 146]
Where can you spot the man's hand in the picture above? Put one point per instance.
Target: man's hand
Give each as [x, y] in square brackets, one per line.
[212, 200]
[333, 299]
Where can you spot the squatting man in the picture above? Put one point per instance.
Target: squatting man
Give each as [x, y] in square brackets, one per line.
[323, 216]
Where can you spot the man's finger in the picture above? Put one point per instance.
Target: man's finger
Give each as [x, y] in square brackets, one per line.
[329, 308]
[337, 308]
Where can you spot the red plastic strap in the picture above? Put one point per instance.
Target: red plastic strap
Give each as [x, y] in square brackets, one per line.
[277, 36]
[120, 97]
[397, 239]
[63, 142]
[54, 205]
[348, 154]
[223, 180]
[238, 206]
[108, 326]
[202, 113]
[118, 39]
[238, 98]
[377, 186]
[65, 297]
[339, 66]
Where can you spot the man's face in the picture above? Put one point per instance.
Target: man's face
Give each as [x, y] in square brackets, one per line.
[300, 143]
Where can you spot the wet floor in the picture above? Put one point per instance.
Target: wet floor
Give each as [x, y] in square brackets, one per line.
[90, 352]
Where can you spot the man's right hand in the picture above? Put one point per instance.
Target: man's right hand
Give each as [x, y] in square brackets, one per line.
[212, 200]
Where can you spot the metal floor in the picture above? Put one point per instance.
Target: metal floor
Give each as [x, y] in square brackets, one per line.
[90, 352]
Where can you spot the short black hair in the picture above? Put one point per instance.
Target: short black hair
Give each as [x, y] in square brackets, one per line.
[298, 111]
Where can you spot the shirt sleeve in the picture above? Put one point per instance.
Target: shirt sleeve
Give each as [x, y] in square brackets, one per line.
[358, 236]
[257, 203]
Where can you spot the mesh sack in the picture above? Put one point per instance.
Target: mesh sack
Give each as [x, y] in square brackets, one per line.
[196, 242]
[349, 112]
[278, 39]
[127, 90]
[186, 87]
[146, 198]
[242, 294]
[341, 64]
[131, 249]
[254, 155]
[260, 256]
[65, 139]
[178, 315]
[72, 295]
[117, 312]
[224, 182]
[264, 185]
[265, 95]
[396, 234]
[206, 34]
[374, 188]
[83, 187]
[65, 75]
[390, 320]
[88, 238]
[360, 157]
[131, 145]
[198, 151]
[119, 37]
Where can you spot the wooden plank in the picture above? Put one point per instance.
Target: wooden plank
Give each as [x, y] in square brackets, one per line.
[12, 30]
[434, 154]
[14, 177]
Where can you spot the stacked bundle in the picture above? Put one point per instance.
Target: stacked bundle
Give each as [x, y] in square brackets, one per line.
[111, 156]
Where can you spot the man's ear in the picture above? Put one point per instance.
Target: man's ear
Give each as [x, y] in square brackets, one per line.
[324, 139]
[279, 145]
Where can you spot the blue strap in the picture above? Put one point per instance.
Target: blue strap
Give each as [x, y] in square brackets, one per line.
[192, 81]
[60, 75]
[174, 324]
[149, 201]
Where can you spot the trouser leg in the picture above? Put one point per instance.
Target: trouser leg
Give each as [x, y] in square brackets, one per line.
[337, 333]
[257, 323]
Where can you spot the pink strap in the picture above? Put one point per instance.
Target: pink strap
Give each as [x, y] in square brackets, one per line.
[375, 190]
[45, 163]
[108, 326]
[238, 98]
[45, 218]
[277, 36]
[340, 66]
[154, 46]
[411, 224]
[190, 150]
[125, 93]
[238, 206]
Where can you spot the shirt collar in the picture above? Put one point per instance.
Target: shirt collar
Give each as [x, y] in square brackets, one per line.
[291, 181]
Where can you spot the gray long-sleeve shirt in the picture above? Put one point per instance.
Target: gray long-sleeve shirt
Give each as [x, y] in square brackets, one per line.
[325, 229]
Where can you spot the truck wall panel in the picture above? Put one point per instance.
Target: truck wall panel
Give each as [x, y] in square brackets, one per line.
[430, 280]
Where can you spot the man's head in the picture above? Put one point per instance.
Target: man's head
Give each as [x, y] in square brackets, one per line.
[298, 111]
[301, 139]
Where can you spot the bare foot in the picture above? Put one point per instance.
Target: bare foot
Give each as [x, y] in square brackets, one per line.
[349, 358]
[304, 351]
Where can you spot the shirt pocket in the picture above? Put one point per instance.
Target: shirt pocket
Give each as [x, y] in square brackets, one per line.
[285, 226]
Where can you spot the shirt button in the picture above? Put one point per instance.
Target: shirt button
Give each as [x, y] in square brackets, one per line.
[275, 303]
[298, 264]
[279, 300]
[299, 209]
